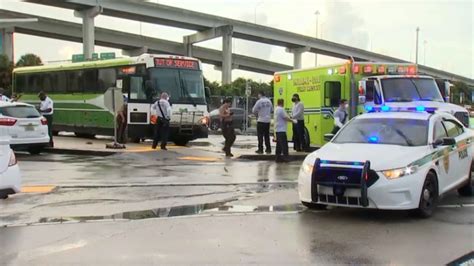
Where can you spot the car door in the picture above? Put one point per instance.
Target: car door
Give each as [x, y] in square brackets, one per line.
[442, 155]
[459, 155]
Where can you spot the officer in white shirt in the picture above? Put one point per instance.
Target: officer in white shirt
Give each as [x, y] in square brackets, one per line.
[46, 109]
[162, 109]
[3, 98]
[263, 110]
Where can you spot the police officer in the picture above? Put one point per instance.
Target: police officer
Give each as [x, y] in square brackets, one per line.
[263, 110]
[162, 109]
[340, 116]
[46, 109]
[227, 128]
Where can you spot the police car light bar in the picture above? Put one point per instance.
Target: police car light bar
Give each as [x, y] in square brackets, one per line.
[386, 108]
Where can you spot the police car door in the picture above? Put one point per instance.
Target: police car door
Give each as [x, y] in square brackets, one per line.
[459, 156]
[442, 156]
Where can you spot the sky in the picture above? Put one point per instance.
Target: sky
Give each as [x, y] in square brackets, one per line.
[446, 37]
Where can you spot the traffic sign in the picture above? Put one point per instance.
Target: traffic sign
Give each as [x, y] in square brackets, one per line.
[78, 58]
[105, 56]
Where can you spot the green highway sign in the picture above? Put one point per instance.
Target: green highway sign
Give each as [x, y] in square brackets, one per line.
[105, 56]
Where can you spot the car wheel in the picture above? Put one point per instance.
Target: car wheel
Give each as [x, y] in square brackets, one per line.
[35, 150]
[3, 195]
[181, 141]
[214, 125]
[467, 189]
[314, 206]
[428, 197]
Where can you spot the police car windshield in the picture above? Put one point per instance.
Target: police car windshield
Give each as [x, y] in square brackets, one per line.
[410, 89]
[403, 132]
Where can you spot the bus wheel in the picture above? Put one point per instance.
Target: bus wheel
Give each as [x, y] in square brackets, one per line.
[181, 141]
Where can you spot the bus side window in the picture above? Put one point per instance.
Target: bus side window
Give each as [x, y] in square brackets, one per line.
[332, 93]
[137, 90]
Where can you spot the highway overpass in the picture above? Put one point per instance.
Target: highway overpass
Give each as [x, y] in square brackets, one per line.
[182, 18]
[69, 31]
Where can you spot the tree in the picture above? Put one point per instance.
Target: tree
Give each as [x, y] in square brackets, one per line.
[461, 88]
[6, 68]
[29, 60]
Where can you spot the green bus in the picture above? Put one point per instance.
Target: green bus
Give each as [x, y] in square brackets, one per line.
[77, 90]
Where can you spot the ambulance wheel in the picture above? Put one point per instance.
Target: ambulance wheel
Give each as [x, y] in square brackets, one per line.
[35, 150]
[314, 206]
[428, 197]
[467, 190]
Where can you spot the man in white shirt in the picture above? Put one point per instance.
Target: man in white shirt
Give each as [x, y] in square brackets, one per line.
[263, 110]
[162, 109]
[340, 116]
[47, 109]
[281, 124]
[3, 98]
[297, 113]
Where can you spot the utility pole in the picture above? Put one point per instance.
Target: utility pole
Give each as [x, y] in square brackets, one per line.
[317, 29]
[416, 50]
[425, 42]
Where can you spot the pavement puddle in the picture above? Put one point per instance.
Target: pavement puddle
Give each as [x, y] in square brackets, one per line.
[185, 210]
[200, 159]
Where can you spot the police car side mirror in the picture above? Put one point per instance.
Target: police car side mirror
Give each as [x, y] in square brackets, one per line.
[444, 142]
[328, 137]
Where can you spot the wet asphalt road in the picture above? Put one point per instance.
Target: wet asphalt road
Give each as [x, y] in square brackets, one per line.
[157, 208]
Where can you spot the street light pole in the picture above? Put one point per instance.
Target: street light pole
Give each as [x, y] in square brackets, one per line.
[317, 29]
[416, 50]
[425, 42]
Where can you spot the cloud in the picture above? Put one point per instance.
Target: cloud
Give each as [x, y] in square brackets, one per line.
[341, 24]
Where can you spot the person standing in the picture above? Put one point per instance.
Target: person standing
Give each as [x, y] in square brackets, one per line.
[122, 122]
[3, 98]
[263, 110]
[47, 109]
[227, 128]
[297, 113]
[340, 116]
[162, 109]
[281, 120]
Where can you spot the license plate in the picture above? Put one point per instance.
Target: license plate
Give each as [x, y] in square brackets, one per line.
[30, 128]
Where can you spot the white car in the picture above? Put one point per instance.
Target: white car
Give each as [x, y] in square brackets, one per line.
[10, 178]
[390, 160]
[25, 127]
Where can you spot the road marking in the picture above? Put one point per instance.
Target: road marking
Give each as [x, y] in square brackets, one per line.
[460, 205]
[37, 189]
[200, 159]
[149, 149]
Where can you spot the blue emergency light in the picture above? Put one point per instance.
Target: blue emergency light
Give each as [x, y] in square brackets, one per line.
[373, 139]
[385, 108]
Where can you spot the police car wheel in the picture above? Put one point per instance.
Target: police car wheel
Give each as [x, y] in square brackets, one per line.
[214, 125]
[428, 197]
[314, 206]
[467, 190]
[3, 195]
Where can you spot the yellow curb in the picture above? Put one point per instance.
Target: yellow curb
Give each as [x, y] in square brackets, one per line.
[200, 159]
[37, 189]
[148, 149]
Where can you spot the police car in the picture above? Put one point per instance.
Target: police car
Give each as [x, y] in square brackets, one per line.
[402, 160]
[25, 127]
[10, 177]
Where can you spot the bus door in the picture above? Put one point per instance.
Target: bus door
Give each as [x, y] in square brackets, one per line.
[334, 88]
[138, 107]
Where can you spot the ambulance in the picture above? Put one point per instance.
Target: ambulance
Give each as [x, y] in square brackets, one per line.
[365, 85]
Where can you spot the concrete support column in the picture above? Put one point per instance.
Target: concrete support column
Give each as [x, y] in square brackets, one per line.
[7, 43]
[88, 36]
[188, 46]
[297, 55]
[227, 58]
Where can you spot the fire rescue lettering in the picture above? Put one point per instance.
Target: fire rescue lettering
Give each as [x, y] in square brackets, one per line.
[305, 84]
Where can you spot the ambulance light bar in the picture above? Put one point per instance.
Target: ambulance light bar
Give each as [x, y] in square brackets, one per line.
[386, 108]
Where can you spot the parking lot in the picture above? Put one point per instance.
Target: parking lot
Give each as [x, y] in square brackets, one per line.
[114, 208]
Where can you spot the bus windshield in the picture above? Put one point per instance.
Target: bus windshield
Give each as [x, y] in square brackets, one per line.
[410, 89]
[184, 86]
